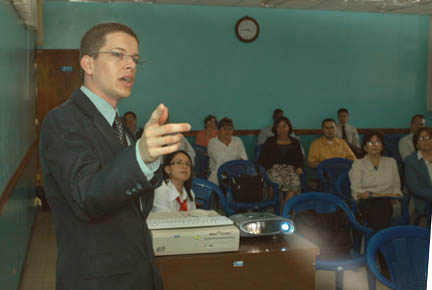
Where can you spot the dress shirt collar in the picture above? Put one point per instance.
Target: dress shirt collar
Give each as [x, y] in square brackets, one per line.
[103, 106]
[420, 156]
[173, 193]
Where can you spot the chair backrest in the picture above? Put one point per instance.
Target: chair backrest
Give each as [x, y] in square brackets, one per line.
[406, 252]
[205, 192]
[236, 168]
[329, 170]
[343, 190]
[391, 146]
[323, 203]
[258, 151]
[317, 201]
[201, 166]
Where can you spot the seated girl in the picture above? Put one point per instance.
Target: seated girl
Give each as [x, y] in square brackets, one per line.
[175, 192]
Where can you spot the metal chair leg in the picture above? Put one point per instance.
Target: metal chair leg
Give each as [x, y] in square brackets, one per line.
[339, 279]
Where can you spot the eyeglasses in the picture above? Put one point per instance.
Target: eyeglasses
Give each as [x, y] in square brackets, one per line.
[370, 143]
[424, 138]
[181, 163]
[121, 56]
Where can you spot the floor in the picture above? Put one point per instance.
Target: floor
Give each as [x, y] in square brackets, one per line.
[39, 269]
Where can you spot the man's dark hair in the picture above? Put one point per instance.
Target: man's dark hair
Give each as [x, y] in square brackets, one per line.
[327, 120]
[417, 116]
[225, 122]
[167, 162]
[208, 118]
[343, 110]
[417, 135]
[129, 113]
[277, 111]
[94, 39]
[276, 123]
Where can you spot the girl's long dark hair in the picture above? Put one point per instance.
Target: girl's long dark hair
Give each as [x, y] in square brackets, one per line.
[167, 162]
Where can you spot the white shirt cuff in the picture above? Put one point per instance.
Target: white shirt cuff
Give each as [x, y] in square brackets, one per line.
[147, 169]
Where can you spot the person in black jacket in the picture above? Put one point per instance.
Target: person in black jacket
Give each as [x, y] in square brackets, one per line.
[99, 179]
[282, 158]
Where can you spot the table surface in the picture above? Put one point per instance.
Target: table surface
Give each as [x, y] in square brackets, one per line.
[257, 264]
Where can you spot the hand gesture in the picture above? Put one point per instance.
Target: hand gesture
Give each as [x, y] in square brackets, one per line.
[159, 138]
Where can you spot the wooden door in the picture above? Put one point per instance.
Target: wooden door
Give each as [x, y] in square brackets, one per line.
[58, 75]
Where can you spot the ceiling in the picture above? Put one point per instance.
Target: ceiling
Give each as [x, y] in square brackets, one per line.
[28, 9]
[420, 7]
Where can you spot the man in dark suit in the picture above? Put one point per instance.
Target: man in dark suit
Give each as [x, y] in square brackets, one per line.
[100, 189]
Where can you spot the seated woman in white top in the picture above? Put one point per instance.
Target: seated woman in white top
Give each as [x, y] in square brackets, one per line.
[373, 179]
[175, 192]
[225, 147]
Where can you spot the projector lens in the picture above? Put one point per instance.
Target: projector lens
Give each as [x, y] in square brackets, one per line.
[287, 228]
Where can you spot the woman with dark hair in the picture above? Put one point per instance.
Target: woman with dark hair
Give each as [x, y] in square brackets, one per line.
[282, 158]
[374, 178]
[418, 171]
[175, 192]
[204, 136]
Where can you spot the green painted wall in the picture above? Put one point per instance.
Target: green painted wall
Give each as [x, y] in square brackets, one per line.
[17, 133]
[310, 63]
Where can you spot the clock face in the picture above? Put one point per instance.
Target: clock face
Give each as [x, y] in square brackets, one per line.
[247, 29]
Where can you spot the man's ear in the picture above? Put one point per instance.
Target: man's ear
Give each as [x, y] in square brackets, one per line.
[87, 64]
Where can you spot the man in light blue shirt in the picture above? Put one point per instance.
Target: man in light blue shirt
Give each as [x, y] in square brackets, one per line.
[98, 179]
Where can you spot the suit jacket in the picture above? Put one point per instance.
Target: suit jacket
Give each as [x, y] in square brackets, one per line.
[93, 184]
[418, 182]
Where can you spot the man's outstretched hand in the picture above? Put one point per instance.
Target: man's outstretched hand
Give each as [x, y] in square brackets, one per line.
[159, 138]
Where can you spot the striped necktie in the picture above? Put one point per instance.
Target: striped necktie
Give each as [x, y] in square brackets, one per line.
[119, 130]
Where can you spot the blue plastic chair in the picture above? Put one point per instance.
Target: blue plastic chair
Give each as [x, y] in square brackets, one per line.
[406, 252]
[258, 151]
[205, 191]
[327, 203]
[236, 168]
[329, 170]
[343, 190]
[201, 166]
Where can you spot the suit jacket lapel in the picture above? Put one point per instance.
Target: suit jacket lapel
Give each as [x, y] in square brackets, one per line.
[88, 108]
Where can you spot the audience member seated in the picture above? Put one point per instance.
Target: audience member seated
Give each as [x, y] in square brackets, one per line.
[328, 146]
[223, 148]
[204, 136]
[282, 158]
[268, 131]
[348, 133]
[130, 119]
[406, 145]
[373, 179]
[418, 171]
[175, 192]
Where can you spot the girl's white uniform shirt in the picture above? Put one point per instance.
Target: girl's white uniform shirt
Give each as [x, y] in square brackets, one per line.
[165, 198]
